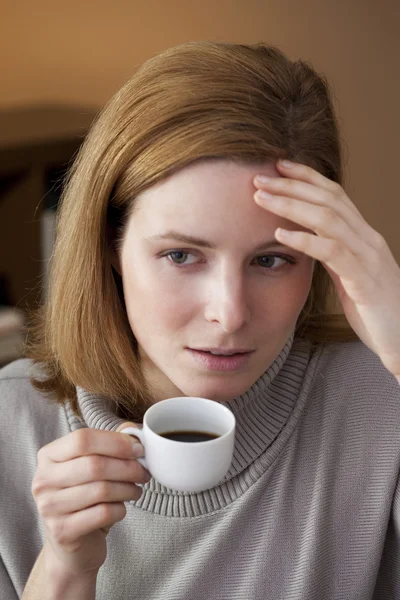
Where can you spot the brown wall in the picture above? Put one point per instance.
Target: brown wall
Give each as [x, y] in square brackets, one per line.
[82, 51]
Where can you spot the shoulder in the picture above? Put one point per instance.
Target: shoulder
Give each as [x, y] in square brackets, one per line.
[350, 375]
[16, 386]
[355, 364]
[24, 409]
[29, 421]
[17, 369]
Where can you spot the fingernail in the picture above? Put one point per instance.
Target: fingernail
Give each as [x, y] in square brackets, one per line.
[147, 476]
[263, 179]
[263, 195]
[286, 163]
[137, 449]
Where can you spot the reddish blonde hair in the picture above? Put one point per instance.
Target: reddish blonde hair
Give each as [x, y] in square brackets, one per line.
[199, 100]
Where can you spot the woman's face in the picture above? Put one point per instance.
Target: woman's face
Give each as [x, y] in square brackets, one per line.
[228, 290]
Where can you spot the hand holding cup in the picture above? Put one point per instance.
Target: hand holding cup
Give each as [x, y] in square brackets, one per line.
[81, 483]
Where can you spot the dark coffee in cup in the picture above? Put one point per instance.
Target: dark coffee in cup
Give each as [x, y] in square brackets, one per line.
[189, 436]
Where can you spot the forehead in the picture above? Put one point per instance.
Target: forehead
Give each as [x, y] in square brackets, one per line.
[212, 199]
[208, 191]
[211, 174]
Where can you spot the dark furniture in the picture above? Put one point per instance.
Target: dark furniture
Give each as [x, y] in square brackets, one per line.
[37, 144]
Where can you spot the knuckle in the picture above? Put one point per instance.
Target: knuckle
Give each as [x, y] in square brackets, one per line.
[58, 531]
[288, 184]
[111, 512]
[45, 505]
[336, 188]
[82, 441]
[378, 241]
[102, 491]
[96, 466]
[38, 485]
[120, 512]
[41, 454]
[327, 217]
[105, 512]
[42, 505]
[336, 248]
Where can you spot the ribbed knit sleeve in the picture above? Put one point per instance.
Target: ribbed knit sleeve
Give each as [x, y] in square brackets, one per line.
[28, 422]
[7, 590]
[388, 581]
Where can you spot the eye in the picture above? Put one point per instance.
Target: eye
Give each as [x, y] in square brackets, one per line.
[178, 257]
[265, 261]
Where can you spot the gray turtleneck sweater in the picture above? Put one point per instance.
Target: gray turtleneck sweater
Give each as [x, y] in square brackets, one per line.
[309, 510]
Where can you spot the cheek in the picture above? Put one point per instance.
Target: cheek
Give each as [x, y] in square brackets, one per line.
[155, 304]
[287, 300]
[301, 289]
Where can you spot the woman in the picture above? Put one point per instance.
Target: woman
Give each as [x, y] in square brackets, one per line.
[168, 250]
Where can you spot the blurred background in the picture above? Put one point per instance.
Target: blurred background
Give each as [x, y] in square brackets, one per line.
[62, 61]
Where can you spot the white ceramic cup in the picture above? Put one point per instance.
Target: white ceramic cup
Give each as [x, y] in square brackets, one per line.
[187, 466]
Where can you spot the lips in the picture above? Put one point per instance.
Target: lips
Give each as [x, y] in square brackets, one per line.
[223, 352]
[212, 362]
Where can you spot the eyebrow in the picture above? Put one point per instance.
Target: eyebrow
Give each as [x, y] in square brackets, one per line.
[188, 239]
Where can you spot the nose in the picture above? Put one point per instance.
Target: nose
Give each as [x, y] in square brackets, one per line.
[227, 302]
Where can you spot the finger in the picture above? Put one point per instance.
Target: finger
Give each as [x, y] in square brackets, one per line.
[359, 276]
[307, 174]
[337, 201]
[130, 435]
[331, 253]
[89, 441]
[126, 425]
[69, 500]
[325, 222]
[85, 469]
[67, 529]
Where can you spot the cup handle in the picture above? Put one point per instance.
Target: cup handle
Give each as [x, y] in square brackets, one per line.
[138, 433]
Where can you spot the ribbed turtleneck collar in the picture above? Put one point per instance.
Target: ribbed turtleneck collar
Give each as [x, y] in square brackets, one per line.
[261, 414]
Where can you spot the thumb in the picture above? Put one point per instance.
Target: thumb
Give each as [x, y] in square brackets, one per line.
[127, 424]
